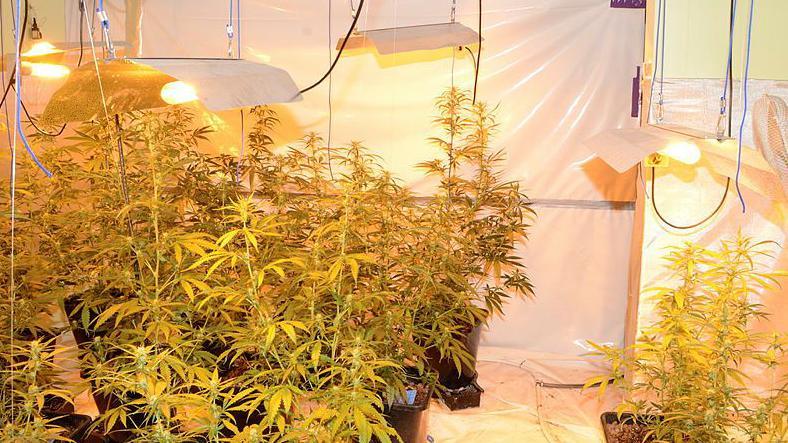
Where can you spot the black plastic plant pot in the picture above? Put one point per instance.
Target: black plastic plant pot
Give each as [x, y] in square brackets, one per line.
[445, 367]
[81, 335]
[411, 420]
[77, 426]
[118, 433]
[459, 389]
[55, 406]
[627, 428]
[242, 419]
[468, 394]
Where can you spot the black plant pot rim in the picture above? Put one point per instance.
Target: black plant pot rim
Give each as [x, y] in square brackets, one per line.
[471, 384]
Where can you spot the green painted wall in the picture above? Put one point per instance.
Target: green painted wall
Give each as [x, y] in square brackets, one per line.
[696, 38]
[50, 15]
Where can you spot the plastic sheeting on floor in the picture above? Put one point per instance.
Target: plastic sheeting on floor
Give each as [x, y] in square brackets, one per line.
[515, 409]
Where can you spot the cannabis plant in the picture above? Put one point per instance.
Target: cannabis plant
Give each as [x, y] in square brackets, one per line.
[465, 262]
[284, 295]
[30, 382]
[690, 365]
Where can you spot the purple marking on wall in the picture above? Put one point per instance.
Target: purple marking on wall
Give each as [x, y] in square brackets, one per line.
[635, 112]
[631, 4]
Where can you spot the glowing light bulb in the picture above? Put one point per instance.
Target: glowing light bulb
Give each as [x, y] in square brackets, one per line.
[177, 92]
[45, 70]
[41, 48]
[685, 152]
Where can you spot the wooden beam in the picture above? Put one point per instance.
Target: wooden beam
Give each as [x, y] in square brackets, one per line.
[631, 326]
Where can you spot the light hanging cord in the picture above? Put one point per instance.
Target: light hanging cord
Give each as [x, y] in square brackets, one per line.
[657, 63]
[341, 48]
[723, 118]
[18, 89]
[453, 18]
[744, 113]
[661, 99]
[104, 20]
[18, 49]
[478, 61]
[240, 152]
[4, 105]
[238, 28]
[331, 90]
[230, 32]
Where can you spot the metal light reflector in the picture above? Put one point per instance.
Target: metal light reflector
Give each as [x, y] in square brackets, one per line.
[413, 38]
[223, 84]
[127, 87]
[136, 84]
[622, 149]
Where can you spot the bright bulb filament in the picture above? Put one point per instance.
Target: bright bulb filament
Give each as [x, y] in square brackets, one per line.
[41, 48]
[177, 92]
[45, 70]
[685, 152]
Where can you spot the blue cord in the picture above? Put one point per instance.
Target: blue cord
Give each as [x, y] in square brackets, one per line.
[656, 55]
[662, 50]
[744, 114]
[18, 82]
[2, 78]
[100, 9]
[730, 57]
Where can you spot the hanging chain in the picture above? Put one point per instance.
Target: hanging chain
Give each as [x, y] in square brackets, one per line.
[660, 111]
[453, 11]
[230, 32]
[722, 120]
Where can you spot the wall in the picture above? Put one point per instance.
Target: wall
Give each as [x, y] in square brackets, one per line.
[49, 14]
[696, 49]
[696, 39]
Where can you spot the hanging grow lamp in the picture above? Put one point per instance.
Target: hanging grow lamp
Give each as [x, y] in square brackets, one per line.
[413, 38]
[147, 83]
[622, 149]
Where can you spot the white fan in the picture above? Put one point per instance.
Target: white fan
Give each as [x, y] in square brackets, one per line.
[770, 133]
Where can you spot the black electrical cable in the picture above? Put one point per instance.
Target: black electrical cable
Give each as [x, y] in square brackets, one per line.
[341, 48]
[572, 385]
[730, 68]
[473, 57]
[478, 54]
[330, 90]
[39, 130]
[81, 31]
[694, 225]
[18, 50]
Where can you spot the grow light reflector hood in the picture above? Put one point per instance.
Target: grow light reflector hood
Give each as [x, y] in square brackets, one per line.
[622, 149]
[135, 84]
[223, 84]
[127, 87]
[414, 38]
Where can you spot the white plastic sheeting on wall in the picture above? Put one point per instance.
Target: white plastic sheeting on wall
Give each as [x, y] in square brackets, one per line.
[561, 71]
[686, 195]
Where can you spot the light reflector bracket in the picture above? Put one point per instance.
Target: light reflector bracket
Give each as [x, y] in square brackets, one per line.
[413, 38]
